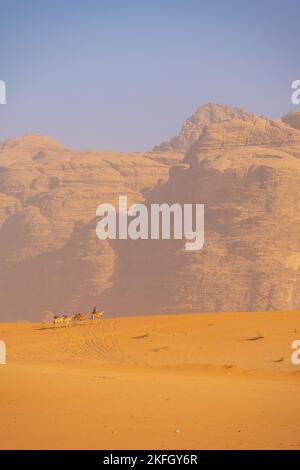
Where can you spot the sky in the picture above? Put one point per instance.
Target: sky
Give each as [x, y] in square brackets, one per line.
[124, 74]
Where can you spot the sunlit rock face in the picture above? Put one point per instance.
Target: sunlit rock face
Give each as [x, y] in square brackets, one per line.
[247, 173]
[50, 258]
[244, 168]
[292, 119]
[193, 127]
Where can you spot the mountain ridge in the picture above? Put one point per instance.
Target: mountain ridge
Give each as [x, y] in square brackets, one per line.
[194, 125]
[247, 173]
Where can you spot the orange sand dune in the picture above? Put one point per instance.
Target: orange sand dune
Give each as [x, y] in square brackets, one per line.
[173, 382]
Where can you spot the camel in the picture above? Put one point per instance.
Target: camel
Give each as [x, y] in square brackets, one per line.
[67, 320]
[80, 317]
[97, 315]
[58, 320]
[61, 320]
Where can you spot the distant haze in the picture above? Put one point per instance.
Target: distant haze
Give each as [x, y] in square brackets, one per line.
[123, 75]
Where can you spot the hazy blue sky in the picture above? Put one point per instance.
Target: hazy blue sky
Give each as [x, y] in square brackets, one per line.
[124, 74]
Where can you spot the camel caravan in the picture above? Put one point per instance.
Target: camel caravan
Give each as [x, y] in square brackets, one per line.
[79, 318]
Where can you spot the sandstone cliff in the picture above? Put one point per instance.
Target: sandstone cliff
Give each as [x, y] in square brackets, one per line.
[50, 258]
[193, 126]
[244, 168]
[292, 119]
[247, 173]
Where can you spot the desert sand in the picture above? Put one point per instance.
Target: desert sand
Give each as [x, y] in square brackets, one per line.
[201, 381]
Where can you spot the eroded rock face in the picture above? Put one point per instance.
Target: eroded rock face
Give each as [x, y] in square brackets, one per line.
[193, 126]
[292, 119]
[245, 169]
[50, 258]
[247, 173]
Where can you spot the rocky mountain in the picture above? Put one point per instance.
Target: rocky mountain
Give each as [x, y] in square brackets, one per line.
[292, 119]
[244, 168]
[193, 126]
[50, 258]
[247, 173]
